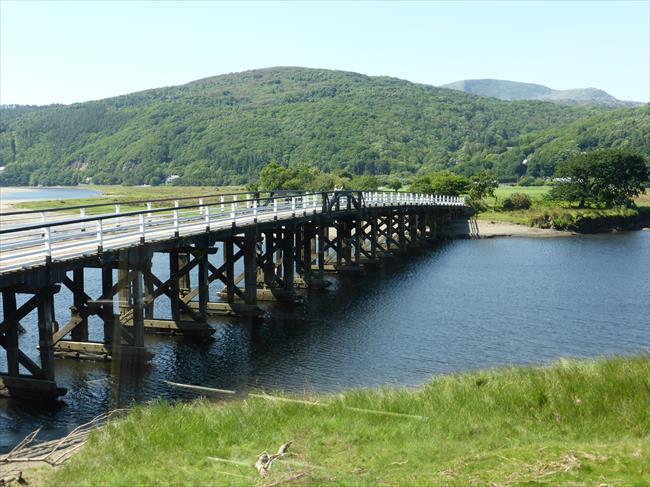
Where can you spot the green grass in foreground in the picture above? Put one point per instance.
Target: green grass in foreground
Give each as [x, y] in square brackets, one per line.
[574, 423]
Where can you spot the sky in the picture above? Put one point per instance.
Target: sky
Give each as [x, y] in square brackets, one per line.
[65, 52]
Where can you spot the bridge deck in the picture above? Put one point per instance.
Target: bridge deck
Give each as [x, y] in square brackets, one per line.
[27, 246]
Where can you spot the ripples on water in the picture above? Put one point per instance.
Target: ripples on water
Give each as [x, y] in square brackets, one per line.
[463, 305]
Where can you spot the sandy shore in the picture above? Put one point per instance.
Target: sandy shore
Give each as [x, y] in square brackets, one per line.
[487, 229]
[490, 229]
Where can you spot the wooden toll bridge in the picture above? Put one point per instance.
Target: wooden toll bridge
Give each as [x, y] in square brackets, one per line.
[280, 240]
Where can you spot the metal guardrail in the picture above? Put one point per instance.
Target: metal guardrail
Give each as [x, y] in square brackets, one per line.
[29, 245]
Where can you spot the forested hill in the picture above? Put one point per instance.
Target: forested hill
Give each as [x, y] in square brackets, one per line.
[221, 130]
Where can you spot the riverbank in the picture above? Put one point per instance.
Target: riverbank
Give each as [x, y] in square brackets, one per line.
[477, 228]
[552, 216]
[573, 423]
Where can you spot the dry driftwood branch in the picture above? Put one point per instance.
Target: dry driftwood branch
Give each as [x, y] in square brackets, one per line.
[264, 461]
[44, 451]
[286, 480]
[26, 441]
[269, 397]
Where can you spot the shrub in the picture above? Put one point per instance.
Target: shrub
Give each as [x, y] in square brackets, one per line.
[477, 204]
[516, 201]
[526, 181]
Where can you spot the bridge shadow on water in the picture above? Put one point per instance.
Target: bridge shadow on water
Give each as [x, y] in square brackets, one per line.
[274, 353]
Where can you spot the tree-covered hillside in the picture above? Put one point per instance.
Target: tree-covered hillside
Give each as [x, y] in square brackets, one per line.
[222, 130]
[544, 150]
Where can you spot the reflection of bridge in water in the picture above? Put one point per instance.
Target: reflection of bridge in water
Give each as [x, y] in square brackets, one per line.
[271, 243]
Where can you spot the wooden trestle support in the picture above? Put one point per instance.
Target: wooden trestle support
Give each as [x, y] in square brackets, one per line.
[276, 258]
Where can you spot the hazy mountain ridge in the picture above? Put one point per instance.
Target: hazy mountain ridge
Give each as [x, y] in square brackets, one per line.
[514, 90]
[223, 129]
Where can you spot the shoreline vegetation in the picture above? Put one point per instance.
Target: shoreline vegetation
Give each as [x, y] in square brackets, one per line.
[574, 422]
[542, 219]
[544, 214]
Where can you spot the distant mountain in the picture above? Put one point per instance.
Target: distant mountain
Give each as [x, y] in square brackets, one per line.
[222, 130]
[514, 90]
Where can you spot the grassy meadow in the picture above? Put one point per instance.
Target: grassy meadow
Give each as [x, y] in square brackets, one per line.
[572, 423]
[543, 211]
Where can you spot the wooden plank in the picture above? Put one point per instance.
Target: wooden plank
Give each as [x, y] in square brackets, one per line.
[67, 328]
[173, 325]
[88, 347]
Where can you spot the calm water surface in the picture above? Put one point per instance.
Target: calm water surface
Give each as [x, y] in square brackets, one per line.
[462, 305]
[12, 195]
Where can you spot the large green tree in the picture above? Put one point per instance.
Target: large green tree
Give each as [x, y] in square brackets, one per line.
[605, 177]
[441, 182]
[483, 184]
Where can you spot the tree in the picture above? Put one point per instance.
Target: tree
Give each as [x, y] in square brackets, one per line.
[365, 183]
[421, 184]
[273, 177]
[394, 184]
[448, 184]
[483, 184]
[604, 177]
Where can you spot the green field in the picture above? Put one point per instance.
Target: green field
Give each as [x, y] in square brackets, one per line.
[534, 192]
[542, 210]
[573, 423]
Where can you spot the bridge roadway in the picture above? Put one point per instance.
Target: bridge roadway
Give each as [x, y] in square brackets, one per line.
[284, 240]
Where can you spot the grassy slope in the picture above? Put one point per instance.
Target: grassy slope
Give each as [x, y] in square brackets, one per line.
[575, 423]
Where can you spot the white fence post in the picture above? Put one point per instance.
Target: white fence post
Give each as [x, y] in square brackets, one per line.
[223, 204]
[233, 213]
[117, 212]
[141, 227]
[100, 234]
[149, 205]
[82, 215]
[200, 206]
[176, 223]
[207, 218]
[48, 242]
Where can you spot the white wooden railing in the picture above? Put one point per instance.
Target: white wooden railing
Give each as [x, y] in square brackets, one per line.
[64, 236]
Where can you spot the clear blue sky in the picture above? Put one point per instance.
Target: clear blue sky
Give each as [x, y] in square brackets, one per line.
[75, 51]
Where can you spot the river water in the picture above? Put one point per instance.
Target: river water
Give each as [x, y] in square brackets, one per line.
[457, 306]
[16, 194]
